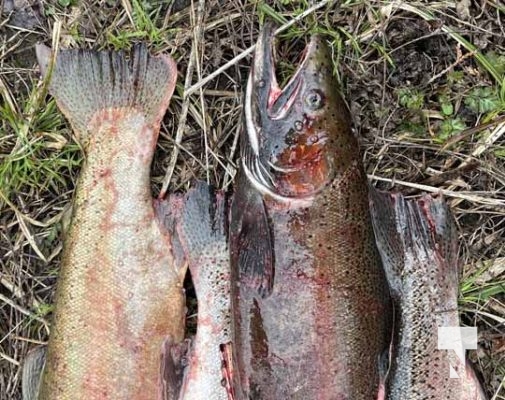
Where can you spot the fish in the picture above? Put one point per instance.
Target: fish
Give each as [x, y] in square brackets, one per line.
[418, 243]
[311, 307]
[119, 297]
[201, 228]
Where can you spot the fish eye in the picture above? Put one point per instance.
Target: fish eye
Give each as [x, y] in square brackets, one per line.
[314, 99]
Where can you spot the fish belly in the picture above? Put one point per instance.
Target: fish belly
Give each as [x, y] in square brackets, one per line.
[322, 330]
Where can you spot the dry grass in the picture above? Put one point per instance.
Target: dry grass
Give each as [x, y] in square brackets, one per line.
[424, 81]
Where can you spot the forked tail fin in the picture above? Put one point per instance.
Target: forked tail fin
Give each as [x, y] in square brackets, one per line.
[203, 221]
[84, 82]
[417, 238]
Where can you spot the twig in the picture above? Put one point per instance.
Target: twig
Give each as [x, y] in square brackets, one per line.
[450, 67]
[197, 37]
[442, 177]
[502, 384]
[23, 310]
[25, 217]
[470, 131]
[181, 147]
[485, 143]
[128, 10]
[230, 167]
[449, 193]
[16, 291]
[488, 140]
[24, 228]
[249, 50]
[185, 100]
[10, 359]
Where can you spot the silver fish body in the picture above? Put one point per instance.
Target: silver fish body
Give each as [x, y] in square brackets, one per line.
[418, 243]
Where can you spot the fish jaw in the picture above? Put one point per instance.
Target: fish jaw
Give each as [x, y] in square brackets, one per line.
[310, 299]
[297, 138]
[328, 306]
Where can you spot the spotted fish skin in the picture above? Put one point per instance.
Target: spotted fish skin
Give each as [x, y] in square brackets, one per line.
[119, 294]
[311, 304]
[418, 243]
[202, 231]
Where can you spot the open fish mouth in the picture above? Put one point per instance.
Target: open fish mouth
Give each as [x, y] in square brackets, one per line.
[281, 142]
[263, 93]
[275, 101]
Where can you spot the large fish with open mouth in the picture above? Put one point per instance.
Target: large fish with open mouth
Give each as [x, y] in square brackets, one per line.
[419, 245]
[119, 296]
[311, 304]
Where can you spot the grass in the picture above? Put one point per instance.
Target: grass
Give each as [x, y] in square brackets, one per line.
[424, 81]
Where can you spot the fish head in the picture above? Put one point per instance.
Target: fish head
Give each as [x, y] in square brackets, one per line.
[298, 138]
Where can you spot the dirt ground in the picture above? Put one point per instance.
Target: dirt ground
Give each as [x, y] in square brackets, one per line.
[424, 81]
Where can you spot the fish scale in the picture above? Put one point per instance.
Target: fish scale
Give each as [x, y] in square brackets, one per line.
[202, 232]
[418, 243]
[312, 314]
[119, 295]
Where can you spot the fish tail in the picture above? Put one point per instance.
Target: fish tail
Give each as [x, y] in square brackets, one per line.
[85, 82]
[202, 222]
[417, 240]
[416, 234]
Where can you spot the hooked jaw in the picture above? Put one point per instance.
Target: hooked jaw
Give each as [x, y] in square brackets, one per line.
[263, 91]
[262, 85]
[282, 150]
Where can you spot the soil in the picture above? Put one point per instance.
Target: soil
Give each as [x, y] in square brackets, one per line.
[378, 53]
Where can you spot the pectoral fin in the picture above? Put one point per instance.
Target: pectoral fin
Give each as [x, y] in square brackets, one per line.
[251, 239]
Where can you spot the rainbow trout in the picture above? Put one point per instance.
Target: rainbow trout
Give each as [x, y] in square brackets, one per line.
[418, 243]
[201, 228]
[311, 304]
[119, 295]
